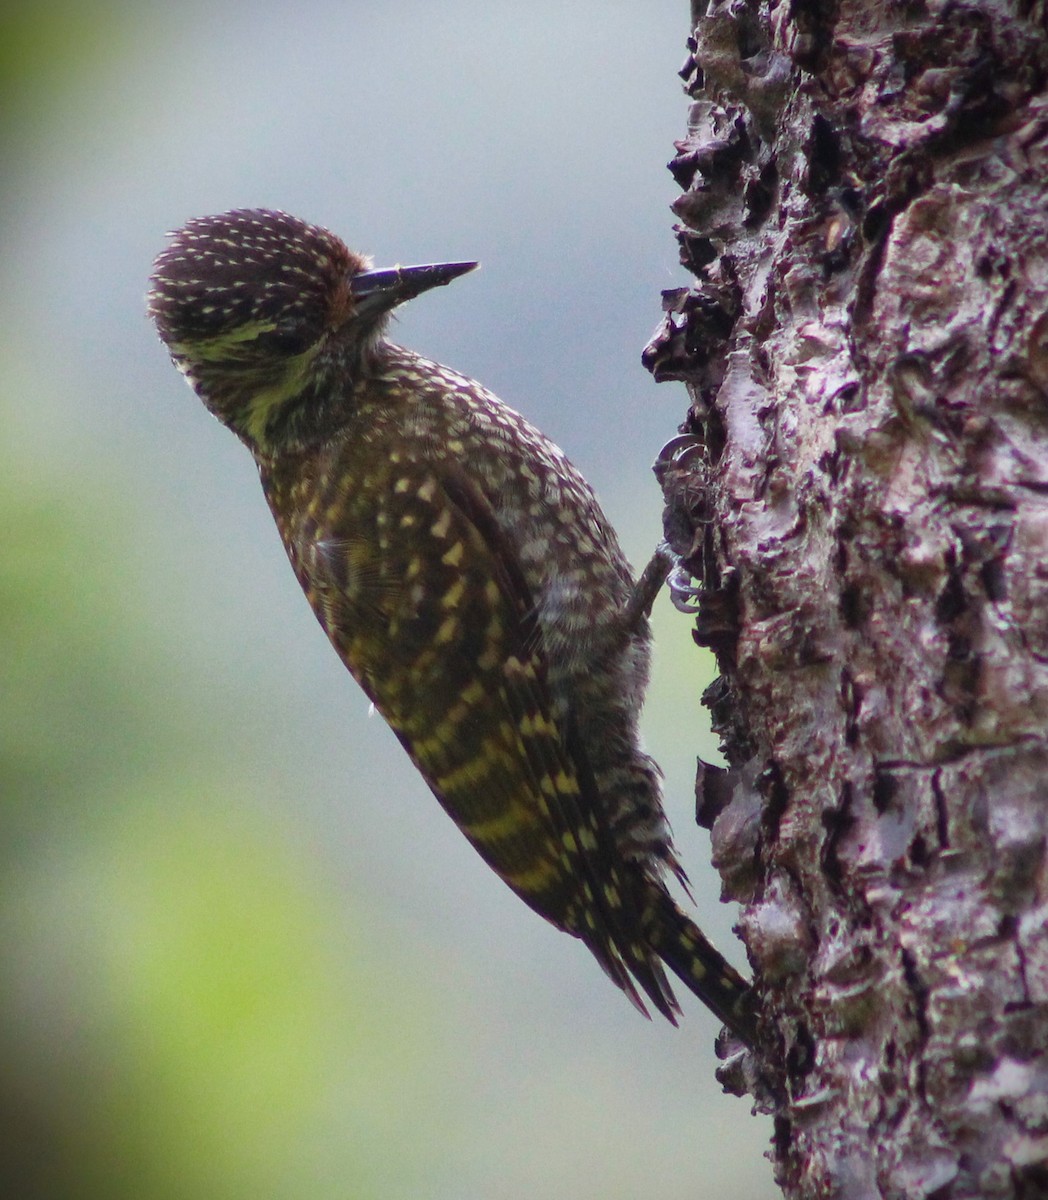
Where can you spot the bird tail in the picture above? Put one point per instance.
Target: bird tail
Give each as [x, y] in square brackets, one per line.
[682, 946]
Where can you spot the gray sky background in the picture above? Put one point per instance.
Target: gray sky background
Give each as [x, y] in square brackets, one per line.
[532, 138]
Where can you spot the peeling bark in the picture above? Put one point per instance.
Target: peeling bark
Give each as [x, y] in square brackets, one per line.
[862, 492]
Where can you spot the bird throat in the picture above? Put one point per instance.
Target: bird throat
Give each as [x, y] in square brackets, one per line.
[275, 404]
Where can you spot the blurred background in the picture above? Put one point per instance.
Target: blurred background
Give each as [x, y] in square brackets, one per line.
[244, 953]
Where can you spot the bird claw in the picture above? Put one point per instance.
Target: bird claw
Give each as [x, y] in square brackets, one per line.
[676, 453]
[683, 593]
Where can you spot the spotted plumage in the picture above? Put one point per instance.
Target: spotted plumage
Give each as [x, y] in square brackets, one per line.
[462, 569]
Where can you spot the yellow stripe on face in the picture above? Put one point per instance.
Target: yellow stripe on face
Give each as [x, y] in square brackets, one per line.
[236, 348]
[223, 345]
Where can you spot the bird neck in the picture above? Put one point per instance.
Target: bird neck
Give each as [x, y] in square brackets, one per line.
[293, 404]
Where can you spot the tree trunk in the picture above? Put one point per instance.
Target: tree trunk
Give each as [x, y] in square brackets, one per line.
[862, 492]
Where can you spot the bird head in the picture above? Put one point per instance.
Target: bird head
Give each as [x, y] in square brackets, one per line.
[268, 316]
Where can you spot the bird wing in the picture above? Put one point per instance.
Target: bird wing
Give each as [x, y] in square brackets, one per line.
[430, 611]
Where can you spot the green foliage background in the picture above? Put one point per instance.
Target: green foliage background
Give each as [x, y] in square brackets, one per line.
[180, 990]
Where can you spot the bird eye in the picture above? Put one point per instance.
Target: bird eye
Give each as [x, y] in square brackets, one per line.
[291, 337]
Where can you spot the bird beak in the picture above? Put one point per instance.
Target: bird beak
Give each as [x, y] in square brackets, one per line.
[376, 292]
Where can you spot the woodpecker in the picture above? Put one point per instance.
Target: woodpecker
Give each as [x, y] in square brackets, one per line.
[463, 570]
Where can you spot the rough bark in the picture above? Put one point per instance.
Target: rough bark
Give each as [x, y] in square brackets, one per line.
[862, 492]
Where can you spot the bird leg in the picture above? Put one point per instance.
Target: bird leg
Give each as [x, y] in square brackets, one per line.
[638, 606]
